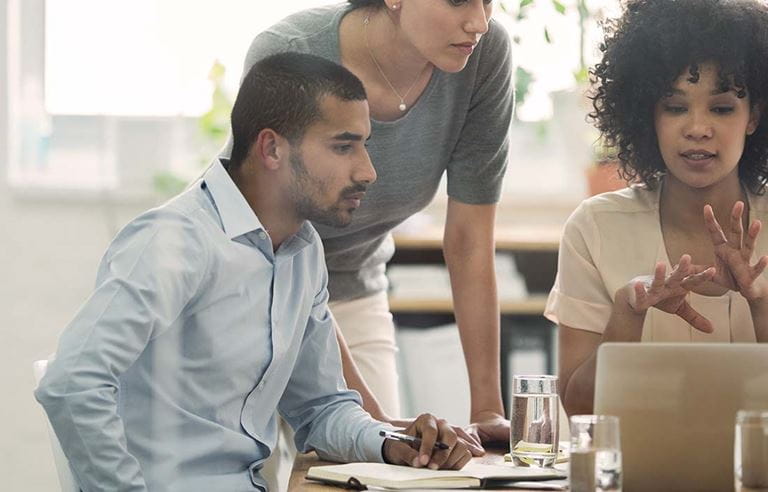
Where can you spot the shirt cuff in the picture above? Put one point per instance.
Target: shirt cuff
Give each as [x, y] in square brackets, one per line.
[374, 443]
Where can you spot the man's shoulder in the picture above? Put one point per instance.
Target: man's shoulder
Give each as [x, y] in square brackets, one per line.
[179, 221]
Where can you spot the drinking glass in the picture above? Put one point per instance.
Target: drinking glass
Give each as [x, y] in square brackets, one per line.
[595, 454]
[750, 453]
[534, 421]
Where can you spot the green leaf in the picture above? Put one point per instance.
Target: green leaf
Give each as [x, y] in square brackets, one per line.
[547, 37]
[581, 75]
[558, 6]
[523, 80]
[525, 3]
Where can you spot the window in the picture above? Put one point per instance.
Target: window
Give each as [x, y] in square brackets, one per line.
[105, 94]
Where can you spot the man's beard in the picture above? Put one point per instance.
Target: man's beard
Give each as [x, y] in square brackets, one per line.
[306, 188]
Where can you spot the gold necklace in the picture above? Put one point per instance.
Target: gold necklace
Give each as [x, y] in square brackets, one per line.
[402, 106]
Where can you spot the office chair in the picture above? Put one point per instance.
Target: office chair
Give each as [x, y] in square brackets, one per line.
[66, 479]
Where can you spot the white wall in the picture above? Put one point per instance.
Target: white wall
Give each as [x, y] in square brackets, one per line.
[49, 254]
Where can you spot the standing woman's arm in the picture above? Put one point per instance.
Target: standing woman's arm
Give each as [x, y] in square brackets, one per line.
[475, 173]
[468, 246]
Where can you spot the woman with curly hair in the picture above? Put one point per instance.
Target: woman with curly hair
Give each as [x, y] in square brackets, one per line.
[680, 92]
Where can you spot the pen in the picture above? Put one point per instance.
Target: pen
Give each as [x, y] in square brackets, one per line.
[409, 439]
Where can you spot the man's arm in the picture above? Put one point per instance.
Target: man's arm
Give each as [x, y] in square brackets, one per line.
[144, 281]
[469, 249]
[325, 415]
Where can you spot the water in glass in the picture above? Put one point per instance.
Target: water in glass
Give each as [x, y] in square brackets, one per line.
[534, 434]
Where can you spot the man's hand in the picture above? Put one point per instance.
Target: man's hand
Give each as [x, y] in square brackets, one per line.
[430, 430]
[469, 436]
[489, 427]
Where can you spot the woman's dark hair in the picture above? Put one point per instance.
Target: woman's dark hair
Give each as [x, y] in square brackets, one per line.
[283, 92]
[648, 48]
[366, 3]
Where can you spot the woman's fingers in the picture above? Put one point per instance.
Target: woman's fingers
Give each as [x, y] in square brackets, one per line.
[699, 277]
[659, 277]
[693, 318]
[735, 228]
[715, 231]
[751, 239]
[681, 270]
[759, 267]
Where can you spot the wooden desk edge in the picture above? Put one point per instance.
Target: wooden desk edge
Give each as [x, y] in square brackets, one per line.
[531, 305]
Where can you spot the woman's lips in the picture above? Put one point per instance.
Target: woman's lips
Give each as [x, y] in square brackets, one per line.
[465, 48]
[698, 158]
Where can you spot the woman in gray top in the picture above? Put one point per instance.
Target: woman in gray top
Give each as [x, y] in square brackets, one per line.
[439, 84]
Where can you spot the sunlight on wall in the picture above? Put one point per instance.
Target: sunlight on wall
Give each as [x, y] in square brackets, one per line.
[148, 57]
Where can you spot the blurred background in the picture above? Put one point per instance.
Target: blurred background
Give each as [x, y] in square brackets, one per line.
[109, 107]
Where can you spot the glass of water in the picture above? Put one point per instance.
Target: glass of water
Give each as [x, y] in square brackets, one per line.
[750, 457]
[534, 421]
[595, 454]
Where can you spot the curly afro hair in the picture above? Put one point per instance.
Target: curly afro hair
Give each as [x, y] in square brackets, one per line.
[648, 48]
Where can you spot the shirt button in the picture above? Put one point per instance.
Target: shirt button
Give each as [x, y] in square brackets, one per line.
[262, 235]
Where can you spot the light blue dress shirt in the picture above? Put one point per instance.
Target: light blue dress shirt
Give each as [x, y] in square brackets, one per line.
[169, 376]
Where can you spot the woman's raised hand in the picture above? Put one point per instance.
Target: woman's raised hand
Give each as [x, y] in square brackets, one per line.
[733, 253]
[668, 292]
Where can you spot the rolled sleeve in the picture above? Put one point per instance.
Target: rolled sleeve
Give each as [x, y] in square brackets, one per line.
[579, 298]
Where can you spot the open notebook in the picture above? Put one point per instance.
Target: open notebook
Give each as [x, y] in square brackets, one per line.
[359, 475]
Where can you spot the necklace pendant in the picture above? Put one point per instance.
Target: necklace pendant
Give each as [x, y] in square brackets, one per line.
[402, 107]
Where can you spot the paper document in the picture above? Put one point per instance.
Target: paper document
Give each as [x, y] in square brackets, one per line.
[403, 477]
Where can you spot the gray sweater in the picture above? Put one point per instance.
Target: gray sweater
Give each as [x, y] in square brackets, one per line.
[458, 125]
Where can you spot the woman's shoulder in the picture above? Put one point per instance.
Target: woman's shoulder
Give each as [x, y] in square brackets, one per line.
[309, 22]
[615, 213]
[633, 199]
[313, 31]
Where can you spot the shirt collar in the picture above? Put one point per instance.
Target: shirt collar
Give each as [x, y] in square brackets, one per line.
[237, 217]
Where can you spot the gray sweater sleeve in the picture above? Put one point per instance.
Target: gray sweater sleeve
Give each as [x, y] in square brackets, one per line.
[478, 162]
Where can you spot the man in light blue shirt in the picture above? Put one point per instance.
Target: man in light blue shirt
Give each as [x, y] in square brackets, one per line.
[210, 312]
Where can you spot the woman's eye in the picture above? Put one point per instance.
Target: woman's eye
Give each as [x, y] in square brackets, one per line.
[674, 109]
[722, 109]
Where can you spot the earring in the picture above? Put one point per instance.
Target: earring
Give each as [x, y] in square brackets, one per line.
[395, 6]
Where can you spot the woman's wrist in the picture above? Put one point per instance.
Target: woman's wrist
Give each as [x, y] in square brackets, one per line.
[626, 322]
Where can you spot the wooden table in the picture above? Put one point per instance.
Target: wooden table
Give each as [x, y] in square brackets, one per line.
[304, 461]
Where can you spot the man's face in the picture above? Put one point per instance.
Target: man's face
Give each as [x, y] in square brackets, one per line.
[331, 168]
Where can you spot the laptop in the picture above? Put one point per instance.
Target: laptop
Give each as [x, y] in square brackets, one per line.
[677, 405]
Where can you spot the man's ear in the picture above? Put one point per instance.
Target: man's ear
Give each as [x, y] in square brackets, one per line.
[270, 148]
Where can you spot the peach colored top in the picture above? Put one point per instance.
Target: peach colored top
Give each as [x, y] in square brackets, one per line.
[613, 237]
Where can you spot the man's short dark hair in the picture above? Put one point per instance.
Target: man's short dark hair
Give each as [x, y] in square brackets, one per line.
[282, 92]
[649, 47]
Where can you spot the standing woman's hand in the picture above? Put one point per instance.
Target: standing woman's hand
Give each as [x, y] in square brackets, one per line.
[667, 292]
[733, 253]
[490, 428]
